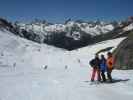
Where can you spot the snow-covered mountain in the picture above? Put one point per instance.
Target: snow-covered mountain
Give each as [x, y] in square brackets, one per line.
[71, 29]
[32, 71]
[72, 34]
[75, 34]
[90, 28]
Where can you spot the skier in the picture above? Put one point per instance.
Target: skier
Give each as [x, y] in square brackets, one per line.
[110, 62]
[103, 67]
[95, 64]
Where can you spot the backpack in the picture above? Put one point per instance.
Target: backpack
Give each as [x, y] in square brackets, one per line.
[92, 63]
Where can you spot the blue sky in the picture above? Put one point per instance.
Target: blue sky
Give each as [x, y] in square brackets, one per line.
[60, 10]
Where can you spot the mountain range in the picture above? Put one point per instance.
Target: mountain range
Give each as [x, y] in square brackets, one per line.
[70, 34]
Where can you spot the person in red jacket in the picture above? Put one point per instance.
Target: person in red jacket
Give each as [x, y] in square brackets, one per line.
[110, 63]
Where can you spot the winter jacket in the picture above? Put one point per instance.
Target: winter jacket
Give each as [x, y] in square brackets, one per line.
[95, 63]
[103, 65]
[110, 62]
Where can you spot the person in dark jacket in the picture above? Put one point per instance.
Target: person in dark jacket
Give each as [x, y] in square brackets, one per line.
[103, 67]
[95, 64]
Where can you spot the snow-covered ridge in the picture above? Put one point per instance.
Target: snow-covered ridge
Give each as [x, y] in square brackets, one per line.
[85, 27]
[76, 30]
[70, 35]
[16, 50]
[129, 27]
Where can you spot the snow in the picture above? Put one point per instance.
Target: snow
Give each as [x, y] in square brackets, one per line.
[55, 28]
[98, 29]
[85, 54]
[23, 77]
[129, 27]
[88, 28]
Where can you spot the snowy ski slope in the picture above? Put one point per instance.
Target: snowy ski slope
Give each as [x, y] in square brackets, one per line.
[24, 75]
